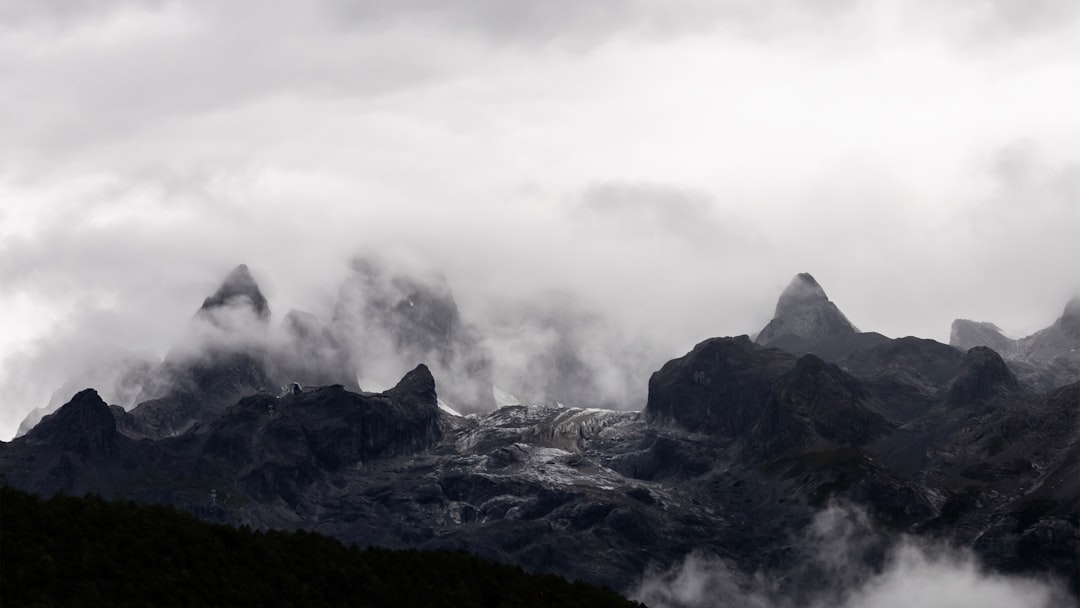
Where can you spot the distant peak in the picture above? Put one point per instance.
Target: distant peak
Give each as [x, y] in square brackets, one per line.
[239, 287]
[805, 312]
[802, 289]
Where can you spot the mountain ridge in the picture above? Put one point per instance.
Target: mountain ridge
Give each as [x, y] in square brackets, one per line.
[738, 446]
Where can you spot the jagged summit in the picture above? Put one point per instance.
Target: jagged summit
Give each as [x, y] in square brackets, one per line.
[239, 288]
[418, 384]
[803, 313]
[85, 424]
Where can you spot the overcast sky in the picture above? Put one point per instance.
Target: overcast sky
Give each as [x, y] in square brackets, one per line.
[672, 164]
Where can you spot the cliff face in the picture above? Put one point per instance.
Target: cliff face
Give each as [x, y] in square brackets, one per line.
[768, 400]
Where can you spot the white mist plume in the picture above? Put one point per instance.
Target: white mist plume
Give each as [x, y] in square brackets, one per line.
[552, 347]
[844, 570]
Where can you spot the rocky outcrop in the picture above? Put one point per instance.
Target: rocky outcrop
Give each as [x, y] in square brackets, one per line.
[118, 374]
[84, 426]
[805, 312]
[768, 401]
[807, 321]
[279, 447]
[985, 376]
[908, 376]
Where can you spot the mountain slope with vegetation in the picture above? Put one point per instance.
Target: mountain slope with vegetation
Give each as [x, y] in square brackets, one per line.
[67, 551]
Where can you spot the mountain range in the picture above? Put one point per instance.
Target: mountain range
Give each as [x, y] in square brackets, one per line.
[740, 442]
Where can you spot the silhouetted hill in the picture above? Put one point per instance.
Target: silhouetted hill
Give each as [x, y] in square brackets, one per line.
[68, 551]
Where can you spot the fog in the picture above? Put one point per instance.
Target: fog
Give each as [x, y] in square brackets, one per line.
[850, 564]
[659, 171]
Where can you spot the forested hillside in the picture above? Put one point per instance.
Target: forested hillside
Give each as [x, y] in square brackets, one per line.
[68, 551]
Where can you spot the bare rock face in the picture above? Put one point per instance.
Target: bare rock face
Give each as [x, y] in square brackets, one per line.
[768, 400]
[805, 312]
[984, 377]
[806, 321]
[84, 425]
[277, 447]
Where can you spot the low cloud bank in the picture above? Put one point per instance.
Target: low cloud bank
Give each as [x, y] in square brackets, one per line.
[850, 564]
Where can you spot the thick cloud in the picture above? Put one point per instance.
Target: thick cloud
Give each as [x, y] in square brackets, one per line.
[671, 165]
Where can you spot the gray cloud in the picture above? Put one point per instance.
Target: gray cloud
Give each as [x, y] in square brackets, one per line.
[651, 210]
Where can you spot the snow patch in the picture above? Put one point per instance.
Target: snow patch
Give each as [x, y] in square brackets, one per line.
[503, 398]
[444, 406]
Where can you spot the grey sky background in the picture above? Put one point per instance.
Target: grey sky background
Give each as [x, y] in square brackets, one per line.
[670, 164]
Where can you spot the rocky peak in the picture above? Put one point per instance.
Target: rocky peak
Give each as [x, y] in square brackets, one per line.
[804, 312]
[85, 424]
[985, 375]
[238, 289]
[418, 384]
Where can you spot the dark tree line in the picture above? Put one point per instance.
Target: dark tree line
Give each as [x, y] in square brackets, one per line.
[67, 551]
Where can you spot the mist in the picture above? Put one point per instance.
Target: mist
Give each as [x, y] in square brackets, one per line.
[851, 564]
